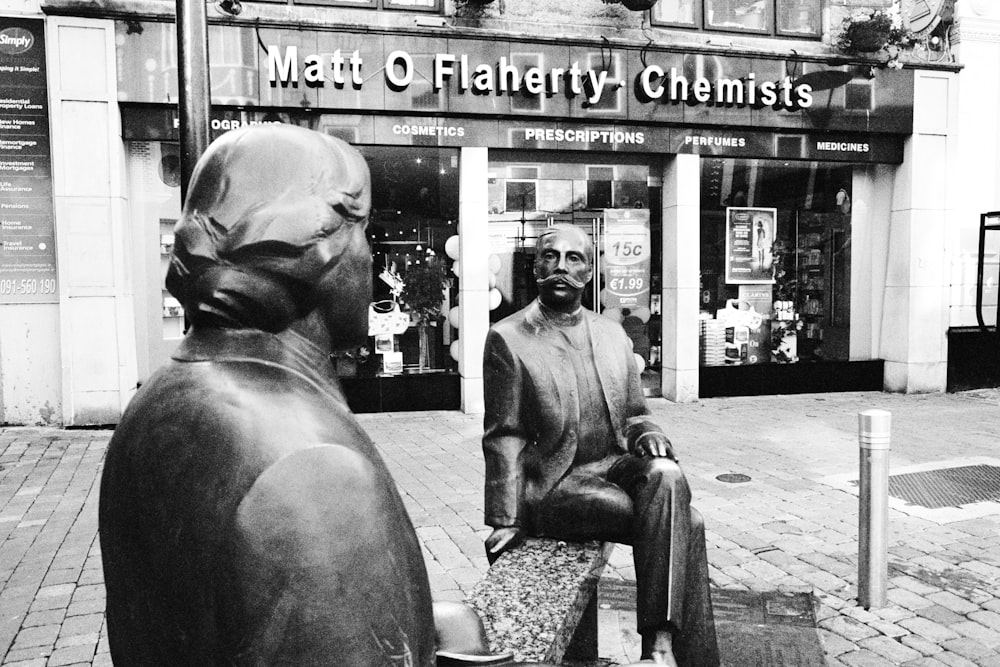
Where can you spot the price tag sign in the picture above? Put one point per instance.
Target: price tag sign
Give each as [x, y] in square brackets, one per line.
[626, 259]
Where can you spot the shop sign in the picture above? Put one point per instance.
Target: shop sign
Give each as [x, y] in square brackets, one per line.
[27, 235]
[144, 122]
[749, 237]
[627, 253]
[464, 76]
[285, 66]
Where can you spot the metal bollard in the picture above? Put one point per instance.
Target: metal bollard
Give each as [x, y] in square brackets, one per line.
[873, 507]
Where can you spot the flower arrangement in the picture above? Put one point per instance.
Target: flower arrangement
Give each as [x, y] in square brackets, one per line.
[422, 294]
[870, 31]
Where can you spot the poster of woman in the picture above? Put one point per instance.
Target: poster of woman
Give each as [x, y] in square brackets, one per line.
[749, 240]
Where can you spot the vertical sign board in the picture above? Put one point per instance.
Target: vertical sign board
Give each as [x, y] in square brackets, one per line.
[749, 238]
[27, 232]
[627, 254]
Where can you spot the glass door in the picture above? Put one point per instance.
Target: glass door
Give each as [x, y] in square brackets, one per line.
[611, 199]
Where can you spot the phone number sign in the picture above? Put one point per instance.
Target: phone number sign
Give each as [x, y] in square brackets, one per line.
[627, 255]
[27, 234]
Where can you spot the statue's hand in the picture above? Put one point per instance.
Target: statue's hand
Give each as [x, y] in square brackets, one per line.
[656, 445]
[502, 539]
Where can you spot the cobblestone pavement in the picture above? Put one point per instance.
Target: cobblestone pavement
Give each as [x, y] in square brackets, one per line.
[788, 528]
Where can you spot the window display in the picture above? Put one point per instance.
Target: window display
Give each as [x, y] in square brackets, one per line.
[414, 212]
[775, 262]
[617, 205]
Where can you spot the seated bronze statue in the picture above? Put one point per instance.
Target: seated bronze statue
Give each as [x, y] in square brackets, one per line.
[571, 452]
[245, 516]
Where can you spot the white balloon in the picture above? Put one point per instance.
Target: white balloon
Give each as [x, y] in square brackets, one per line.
[494, 264]
[495, 298]
[456, 270]
[602, 296]
[455, 350]
[452, 246]
[642, 313]
[455, 316]
[613, 314]
[640, 363]
[493, 280]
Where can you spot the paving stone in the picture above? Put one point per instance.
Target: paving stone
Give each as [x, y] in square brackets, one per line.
[888, 629]
[940, 614]
[892, 613]
[90, 639]
[929, 629]
[913, 585]
[967, 648]
[925, 646]
[973, 630]
[954, 659]
[863, 658]
[71, 655]
[27, 654]
[952, 602]
[890, 649]
[990, 619]
[848, 628]
[43, 618]
[834, 644]
[42, 635]
[907, 599]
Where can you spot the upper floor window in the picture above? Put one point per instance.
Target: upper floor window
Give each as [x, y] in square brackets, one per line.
[406, 5]
[787, 18]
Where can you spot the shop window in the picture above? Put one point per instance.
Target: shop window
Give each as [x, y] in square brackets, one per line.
[600, 186]
[789, 18]
[521, 189]
[414, 212]
[616, 206]
[775, 262]
[404, 5]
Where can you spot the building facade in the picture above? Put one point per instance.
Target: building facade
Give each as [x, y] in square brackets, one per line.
[773, 212]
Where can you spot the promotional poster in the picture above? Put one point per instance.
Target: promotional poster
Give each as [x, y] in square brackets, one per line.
[749, 238]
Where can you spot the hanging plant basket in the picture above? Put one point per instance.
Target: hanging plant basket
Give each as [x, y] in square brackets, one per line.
[870, 32]
[865, 39]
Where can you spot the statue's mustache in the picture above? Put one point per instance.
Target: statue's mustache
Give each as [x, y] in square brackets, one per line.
[564, 278]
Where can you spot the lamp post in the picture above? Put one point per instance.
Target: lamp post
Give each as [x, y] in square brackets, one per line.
[193, 85]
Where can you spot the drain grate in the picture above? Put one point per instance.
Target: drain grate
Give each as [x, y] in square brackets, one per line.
[947, 487]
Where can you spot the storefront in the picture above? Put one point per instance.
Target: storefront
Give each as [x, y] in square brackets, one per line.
[756, 217]
[572, 134]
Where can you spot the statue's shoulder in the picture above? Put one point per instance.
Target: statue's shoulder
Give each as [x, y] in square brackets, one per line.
[515, 326]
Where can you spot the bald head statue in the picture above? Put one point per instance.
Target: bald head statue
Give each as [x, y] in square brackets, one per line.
[273, 235]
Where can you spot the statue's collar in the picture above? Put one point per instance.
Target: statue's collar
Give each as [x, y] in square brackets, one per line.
[286, 349]
[560, 319]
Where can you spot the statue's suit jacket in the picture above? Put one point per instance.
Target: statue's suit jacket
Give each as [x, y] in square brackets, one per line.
[533, 412]
[246, 519]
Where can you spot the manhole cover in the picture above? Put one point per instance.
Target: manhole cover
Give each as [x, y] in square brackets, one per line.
[947, 487]
[733, 478]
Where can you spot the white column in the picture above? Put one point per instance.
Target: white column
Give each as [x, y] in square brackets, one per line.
[914, 339]
[97, 336]
[473, 262]
[979, 162]
[681, 242]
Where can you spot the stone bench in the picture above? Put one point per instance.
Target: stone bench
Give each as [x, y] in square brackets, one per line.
[539, 600]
